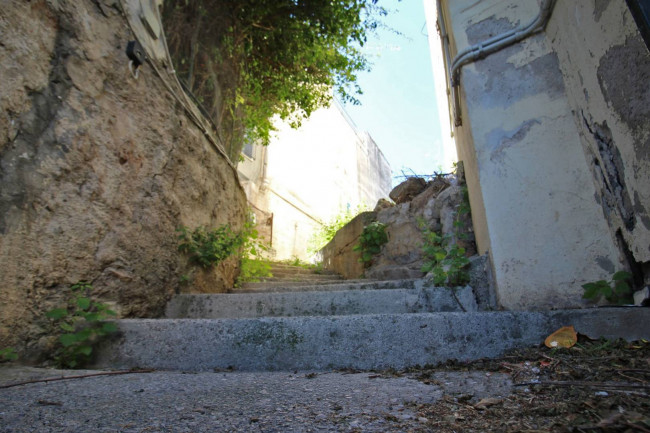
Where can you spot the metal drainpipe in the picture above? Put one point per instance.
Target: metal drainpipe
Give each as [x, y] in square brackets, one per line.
[494, 44]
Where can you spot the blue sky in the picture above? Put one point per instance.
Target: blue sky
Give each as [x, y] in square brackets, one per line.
[398, 102]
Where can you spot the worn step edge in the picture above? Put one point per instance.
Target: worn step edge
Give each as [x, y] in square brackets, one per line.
[336, 285]
[265, 285]
[321, 303]
[358, 342]
[302, 277]
[301, 271]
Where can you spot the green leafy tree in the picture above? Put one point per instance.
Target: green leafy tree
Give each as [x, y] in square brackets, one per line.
[248, 61]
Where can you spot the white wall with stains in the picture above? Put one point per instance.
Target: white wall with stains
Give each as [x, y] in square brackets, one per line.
[540, 206]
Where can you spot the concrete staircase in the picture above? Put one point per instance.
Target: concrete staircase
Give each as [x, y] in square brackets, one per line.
[314, 324]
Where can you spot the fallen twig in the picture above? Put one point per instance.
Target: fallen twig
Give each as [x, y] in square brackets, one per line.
[637, 427]
[79, 376]
[585, 384]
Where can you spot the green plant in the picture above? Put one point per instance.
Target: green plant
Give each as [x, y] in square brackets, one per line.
[249, 61]
[207, 248]
[84, 324]
[617, 291]
[326, 232]
[254, 266]
[446, 262]
[296, 261]
[463, 209]
[445, 259]
[253, 270]
[371, 239]
[8, 354]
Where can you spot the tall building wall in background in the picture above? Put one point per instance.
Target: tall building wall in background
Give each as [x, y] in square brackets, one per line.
[307, 176]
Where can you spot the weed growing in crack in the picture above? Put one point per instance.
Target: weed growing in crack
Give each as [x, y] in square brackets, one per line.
[371, 239]
[83, 322]
[616, 291]
[446, 262]
[207, 248]
[8, 354]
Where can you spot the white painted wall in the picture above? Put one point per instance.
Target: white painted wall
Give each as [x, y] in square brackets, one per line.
[534, 202]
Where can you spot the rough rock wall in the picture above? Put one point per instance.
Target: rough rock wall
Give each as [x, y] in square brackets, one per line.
[433, 204]
[97, 170]
[338, 255]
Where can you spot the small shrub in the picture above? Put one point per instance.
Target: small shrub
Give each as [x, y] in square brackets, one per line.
[8, 354]
[617, 291]
[253, 270]
[296, 261]
[446, 262]
[83, 323]
[371, 239]
[207, 248]
[254, 266]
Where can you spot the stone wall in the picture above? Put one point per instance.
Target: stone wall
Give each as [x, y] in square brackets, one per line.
[419, 206]
[338, 255]
[97, 170]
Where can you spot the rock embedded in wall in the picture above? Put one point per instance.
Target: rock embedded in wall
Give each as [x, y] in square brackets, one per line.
[97, 170]
[383, 203]
[407, 190]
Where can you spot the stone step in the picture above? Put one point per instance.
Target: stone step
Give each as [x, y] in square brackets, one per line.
[288, 276]
[296, 270]
[321, 303]
[349, 342]
[333, 285]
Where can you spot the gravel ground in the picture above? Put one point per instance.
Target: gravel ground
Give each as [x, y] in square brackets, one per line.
[596, 386]
[229, 401]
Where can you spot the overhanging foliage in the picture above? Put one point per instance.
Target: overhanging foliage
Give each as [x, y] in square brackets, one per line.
[250, 60]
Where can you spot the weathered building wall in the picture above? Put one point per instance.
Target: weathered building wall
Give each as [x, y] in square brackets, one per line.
[307, 176]
[606, 69]
[534, 202]
[373, 172]
[97, 170]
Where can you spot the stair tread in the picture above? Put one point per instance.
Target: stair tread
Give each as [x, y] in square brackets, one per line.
[375, 341]
[417, 298]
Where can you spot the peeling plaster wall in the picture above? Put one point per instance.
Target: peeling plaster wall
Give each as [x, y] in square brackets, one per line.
[534, 203]
[606, 67]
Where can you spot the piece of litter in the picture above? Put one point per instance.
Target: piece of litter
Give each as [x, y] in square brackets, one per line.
[564, 337]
